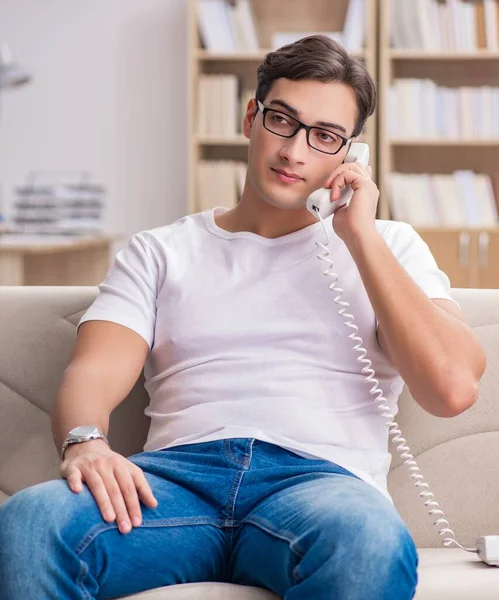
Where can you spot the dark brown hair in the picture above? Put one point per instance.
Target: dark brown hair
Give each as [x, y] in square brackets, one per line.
[321, 58]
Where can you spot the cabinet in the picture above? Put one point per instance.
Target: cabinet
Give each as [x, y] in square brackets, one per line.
[468, 256]
[25, 260]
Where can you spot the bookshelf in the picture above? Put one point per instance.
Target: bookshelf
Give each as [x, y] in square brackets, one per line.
[464, 252]
[269, 18]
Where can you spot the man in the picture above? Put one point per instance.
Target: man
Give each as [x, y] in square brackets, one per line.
[266, 459]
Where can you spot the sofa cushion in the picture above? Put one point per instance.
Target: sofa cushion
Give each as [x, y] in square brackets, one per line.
[205, 591]
[444, 574]
[453, 574]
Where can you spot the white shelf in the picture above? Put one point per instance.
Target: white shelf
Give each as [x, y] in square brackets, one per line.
[207, 55]
[218, 140]
[455, 229]
[429, 55]
[443, 142]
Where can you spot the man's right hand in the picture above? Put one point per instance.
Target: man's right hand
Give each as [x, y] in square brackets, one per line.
[115, 482]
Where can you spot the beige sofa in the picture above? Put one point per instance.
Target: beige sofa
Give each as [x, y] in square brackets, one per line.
[459, 458]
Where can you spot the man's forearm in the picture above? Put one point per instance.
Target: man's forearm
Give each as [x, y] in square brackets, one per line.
[435, 353]
[78, 402]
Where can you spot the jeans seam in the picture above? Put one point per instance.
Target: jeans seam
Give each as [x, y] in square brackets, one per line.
[285, 536]
[231, 498]
[269, 528]
[233, 457]
[82, 574]
[97, 530]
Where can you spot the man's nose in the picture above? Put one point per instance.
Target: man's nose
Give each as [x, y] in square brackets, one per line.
[296, 147]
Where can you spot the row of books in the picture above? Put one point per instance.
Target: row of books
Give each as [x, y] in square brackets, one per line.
[219, 183]
[231, 27]
[221, 105]
[463, 198]
[420, 108]
[227, 27]
[445, 25]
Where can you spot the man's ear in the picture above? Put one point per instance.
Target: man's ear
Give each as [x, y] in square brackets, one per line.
[249, 117]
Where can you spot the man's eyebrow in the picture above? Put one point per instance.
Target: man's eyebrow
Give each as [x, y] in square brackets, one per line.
[294, 112]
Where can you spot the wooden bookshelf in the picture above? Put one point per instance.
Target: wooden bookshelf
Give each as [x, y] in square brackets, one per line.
[462, 142]
[465, 254]
[206, 55]
[205, 140]
[277, 15]
[395, 54]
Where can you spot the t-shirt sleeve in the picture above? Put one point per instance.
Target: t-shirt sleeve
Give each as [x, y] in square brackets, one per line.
[127, 296]
[414, 254]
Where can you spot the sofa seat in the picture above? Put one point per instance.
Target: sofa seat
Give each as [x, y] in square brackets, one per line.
[206, 591]
[444, 574]
[454, 574]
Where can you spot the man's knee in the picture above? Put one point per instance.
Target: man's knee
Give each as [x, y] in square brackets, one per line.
[375, 544]
[49, 507]
[358, 527]
[378, 532]
[383, 537]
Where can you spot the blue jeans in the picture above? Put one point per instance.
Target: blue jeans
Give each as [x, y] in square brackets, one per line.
[235, 510]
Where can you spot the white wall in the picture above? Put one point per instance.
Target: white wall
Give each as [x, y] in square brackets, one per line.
[108, 95]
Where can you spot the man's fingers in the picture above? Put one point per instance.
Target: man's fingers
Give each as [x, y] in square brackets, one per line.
[345, 167]
[116, 484]
[339, 182]
[144, 489]
[99, 492]
[130, 496]
[116, 496]
[73, 477]
[347, 177]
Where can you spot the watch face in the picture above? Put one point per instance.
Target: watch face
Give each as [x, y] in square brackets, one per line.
[84, 430]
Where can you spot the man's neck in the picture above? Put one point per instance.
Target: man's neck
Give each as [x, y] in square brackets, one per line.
[257, 216]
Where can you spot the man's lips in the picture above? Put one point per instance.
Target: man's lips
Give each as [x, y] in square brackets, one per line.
[289, 175]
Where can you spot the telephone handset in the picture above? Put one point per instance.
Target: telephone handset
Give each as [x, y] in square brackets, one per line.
[320, 200]
[319, 204]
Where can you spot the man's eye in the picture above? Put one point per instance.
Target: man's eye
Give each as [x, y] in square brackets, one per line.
[280, 120]
[326, 137]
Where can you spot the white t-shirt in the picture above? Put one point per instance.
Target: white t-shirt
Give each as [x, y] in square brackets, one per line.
[246, 340]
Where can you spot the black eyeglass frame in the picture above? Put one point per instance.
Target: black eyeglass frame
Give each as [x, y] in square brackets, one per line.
[264, 110]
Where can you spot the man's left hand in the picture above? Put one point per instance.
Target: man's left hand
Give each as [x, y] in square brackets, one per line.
[358, 218]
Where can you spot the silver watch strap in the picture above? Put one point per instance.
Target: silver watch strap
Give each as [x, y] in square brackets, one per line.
[70, 440]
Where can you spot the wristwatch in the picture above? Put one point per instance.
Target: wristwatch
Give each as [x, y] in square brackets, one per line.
[83, 433]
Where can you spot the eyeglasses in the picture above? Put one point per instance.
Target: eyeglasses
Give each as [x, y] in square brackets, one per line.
[286, 126]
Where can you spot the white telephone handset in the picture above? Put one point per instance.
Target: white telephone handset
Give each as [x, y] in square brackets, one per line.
[320, 200]
[319, 204]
